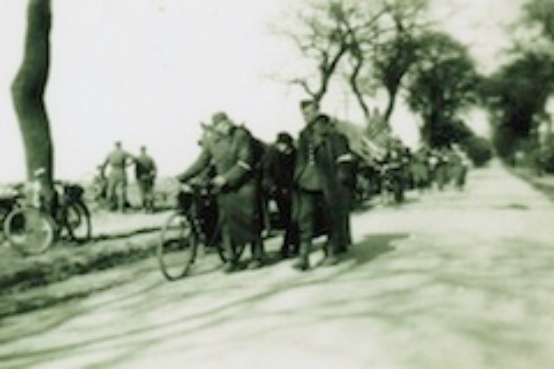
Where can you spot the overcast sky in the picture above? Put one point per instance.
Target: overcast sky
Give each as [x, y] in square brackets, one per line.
[148, 71]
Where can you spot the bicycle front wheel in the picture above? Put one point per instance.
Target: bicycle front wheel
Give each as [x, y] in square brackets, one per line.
[177, 248]
[29, 230]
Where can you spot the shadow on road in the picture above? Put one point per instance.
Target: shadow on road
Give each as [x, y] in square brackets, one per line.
[373, 246]
[228, 296]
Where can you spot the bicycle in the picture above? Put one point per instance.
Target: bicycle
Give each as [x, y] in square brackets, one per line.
[73, 215]
[10, 199]
[31, 228]
[194, 226]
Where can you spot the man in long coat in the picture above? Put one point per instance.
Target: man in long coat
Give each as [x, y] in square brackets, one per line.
[319, 190]
[230, 149]
[278, 165]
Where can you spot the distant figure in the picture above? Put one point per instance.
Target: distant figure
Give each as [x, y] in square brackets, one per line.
[118, 160]
[419, 167]
[145, 174]
[457, 167]
[100, 186]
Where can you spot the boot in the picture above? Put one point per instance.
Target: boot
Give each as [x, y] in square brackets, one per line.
[258, 255]
[230, 267]
[303, 261]
[232, 263]
[331, 256]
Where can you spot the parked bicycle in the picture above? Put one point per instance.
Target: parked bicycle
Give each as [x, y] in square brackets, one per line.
[10, 199]
[194, 228]
[31, 228]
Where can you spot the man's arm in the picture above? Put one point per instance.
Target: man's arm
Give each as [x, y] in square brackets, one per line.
[245, 160]
[201, 163]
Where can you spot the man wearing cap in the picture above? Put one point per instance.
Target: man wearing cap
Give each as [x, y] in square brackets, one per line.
[277, 182]
[230, 149]
[118, 160]
[320, 204]
[145, 173]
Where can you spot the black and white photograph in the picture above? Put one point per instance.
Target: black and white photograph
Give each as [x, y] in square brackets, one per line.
[277, 184]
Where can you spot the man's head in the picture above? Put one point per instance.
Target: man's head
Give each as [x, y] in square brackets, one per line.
[221, 123]
[118, 144]
[143, 150]
[284, 141]
[322, 120]
[310, 109]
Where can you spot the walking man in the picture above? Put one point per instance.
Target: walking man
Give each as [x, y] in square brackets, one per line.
[319, 192]
[145, 173]
[230, 148]
[118, 160]
[277, 182]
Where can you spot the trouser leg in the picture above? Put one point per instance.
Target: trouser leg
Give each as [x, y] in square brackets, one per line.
[229, 248]
[303, 261]
[305, 220]
[258, 253]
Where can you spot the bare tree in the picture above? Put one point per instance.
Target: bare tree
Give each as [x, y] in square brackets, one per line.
[324, 38]
[397, 51]
[28, 90]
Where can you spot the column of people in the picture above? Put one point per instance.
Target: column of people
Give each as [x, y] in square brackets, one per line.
[309, 182]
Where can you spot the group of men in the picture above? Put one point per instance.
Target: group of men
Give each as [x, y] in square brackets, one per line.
[307, 180]
[113, 186]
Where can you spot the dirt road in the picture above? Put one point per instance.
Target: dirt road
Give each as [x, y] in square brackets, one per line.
[450, 280]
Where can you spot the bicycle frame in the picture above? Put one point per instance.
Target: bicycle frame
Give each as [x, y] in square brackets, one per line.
[198, 202]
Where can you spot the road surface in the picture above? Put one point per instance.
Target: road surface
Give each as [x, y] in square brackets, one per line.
[449, 280]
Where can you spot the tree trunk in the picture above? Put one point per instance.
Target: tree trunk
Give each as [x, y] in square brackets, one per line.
[356, 88]
[28, 90]
[392, 92]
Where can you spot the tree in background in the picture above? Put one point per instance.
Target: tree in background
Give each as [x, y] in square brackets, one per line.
[540, 13]
[28, 90]
[440, 85]
[516, 95]
[387, 45]
[322, 36]
[395, 48]
[370, 43]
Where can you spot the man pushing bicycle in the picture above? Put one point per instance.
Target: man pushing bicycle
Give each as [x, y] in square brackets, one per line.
[231, 150]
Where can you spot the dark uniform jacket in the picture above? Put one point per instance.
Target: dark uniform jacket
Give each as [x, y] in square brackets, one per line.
[145, 168]
[321, 165]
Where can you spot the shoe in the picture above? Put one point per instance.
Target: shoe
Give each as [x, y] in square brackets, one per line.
[256, 264]
[330, 261]
[230, 267]
[301, 264]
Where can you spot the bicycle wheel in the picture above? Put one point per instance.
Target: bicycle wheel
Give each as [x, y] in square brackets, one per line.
[29, 230]
[78, 222]
[177, 248]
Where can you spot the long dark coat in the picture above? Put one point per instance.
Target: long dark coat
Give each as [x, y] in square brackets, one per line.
[329, 148]
[233, 157]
